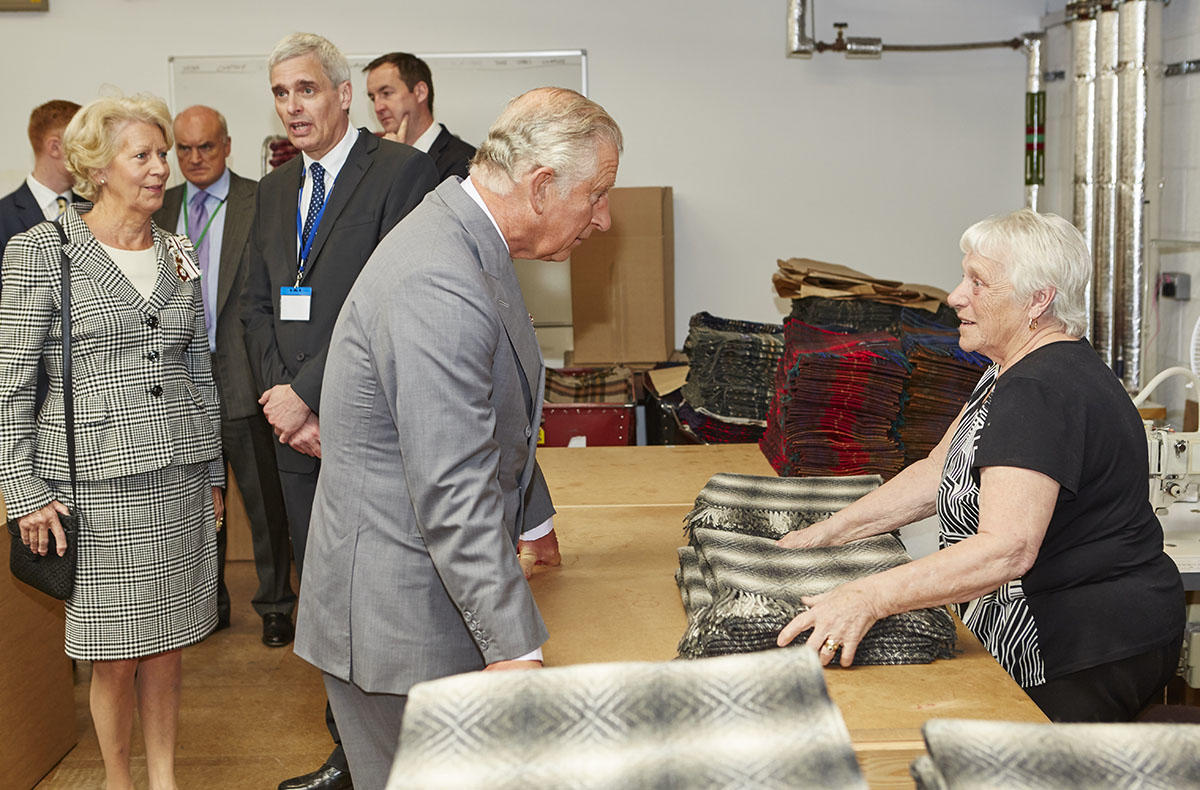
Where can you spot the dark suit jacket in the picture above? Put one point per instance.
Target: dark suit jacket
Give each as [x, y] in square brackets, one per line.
[18, 213]
[379, 184]
[451, 155]
[239, 390]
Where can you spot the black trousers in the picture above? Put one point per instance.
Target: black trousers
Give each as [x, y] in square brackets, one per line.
[1116, 691]
[298, 492]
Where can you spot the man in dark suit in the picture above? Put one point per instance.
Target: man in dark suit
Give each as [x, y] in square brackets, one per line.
[47, 190]
[318, 219]
[214, 209]
[400, 87]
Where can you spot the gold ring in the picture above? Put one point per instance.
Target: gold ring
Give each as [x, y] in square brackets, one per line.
[220, 522]
[831, 645]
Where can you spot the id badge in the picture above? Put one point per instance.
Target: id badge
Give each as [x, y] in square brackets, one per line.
[294, 303]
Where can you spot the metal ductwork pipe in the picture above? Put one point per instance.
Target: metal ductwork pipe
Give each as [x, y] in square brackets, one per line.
[1035, 122]
[800, 44]
[1107, 150]
[1083, 39]
[1139, 79]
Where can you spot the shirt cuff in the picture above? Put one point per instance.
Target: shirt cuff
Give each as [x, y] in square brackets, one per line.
[536, 655]
[540, 531]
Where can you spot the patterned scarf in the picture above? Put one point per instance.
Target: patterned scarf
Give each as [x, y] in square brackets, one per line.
[752, 721]
[974, 755]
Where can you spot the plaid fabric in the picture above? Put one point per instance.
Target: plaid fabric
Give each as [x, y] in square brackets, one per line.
[740, 589]
[942, 378]
[801, 277]
[979, 755]
[602, 385]
[731, 365]
[754, 721]
[837, 404]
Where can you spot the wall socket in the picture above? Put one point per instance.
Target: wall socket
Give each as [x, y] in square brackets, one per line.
[1175, 285]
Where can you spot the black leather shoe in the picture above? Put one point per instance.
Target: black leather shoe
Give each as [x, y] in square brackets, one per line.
[277, 632]
[327, 777]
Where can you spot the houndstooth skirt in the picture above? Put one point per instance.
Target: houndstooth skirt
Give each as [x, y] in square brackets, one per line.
[147, 576]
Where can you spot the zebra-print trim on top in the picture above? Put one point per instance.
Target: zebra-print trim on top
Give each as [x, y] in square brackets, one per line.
[1001, 620]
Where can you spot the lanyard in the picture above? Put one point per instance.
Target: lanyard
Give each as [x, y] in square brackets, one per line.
[187, 231]
[306, 245]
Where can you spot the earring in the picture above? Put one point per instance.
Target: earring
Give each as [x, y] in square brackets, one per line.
[1033, 324]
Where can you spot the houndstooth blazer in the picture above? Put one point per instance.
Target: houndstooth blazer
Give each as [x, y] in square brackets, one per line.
[144, 391]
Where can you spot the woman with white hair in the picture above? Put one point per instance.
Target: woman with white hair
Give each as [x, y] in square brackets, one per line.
[148, 463]
[1049, 544]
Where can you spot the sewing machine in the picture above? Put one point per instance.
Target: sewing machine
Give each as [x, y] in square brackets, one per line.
[1174, 455]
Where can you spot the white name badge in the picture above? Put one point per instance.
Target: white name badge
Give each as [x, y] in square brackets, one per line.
[294, 303]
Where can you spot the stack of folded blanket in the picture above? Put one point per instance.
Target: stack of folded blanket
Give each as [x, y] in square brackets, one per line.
[942, 378]
[837, 403]
[731, 364]
[740, 589]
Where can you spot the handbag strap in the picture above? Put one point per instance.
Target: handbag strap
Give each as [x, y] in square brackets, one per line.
[68, 390]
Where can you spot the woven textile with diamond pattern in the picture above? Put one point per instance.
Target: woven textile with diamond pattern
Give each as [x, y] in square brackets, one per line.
[974, 755]
[755, 721]
[739, 588]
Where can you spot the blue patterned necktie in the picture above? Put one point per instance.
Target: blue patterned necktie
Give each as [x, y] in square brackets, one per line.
[316, 202]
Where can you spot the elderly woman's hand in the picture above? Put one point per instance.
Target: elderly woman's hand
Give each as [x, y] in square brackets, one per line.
[820, 533]
[838, 618]
[37, 526]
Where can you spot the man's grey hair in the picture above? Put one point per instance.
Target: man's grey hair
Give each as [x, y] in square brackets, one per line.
[1038, 251]
[296, 45]
[545, 127]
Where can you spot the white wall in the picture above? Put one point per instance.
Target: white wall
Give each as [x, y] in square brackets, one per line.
[875, 164]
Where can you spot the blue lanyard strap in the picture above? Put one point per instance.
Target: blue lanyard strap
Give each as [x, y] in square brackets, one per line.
[306, 244]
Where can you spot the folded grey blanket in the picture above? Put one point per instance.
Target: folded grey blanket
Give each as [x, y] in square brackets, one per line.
[753, 721]
[740, 589]
[773, 506]
[974, 755]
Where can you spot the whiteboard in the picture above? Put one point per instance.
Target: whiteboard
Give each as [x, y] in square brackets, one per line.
[470, 90]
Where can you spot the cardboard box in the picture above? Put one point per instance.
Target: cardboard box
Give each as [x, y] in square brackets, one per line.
[623, 282]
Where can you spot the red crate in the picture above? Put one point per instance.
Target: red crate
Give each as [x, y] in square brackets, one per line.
[602, 424]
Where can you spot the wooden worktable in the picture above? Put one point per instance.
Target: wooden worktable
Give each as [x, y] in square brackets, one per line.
[620, 513]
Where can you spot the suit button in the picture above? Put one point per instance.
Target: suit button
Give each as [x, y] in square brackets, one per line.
[152, 356]
[156, 391]
[528, 432]
[300, 357]
[152, 322]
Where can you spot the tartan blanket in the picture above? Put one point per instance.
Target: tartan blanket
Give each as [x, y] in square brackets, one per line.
[750, 721]
[579, 385]
[974, 755]
[739, 588]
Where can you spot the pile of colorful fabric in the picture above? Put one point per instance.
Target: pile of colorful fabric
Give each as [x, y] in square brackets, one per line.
[740, 589]
[942, 378]
[837, 403]
[728, 388]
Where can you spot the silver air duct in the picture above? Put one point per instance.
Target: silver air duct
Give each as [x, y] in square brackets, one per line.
[1139, 76]
[1035, 122]
[1104, 274]
[1083, 35]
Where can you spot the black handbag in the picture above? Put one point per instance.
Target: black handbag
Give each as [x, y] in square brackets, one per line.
[52, 574]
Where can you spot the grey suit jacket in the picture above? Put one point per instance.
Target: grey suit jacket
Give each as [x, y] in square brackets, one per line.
[235, 378]
[433, 394]
[379, 184]
[144, 392]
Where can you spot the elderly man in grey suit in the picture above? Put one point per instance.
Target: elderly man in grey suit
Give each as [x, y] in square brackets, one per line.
[433, 395]
[214, 208]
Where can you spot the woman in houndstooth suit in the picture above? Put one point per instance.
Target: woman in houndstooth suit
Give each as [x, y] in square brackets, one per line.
[147, 426]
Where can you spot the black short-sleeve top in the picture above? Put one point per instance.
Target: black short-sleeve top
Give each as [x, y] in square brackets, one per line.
[1101, 588]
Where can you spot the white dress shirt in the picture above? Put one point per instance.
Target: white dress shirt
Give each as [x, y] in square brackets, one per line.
[47, 198]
